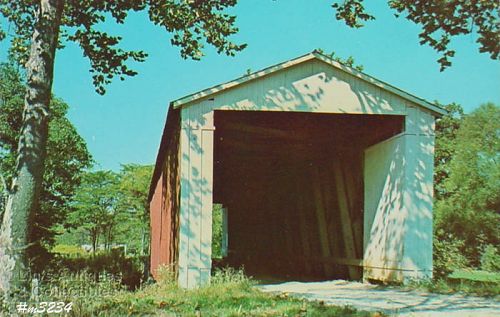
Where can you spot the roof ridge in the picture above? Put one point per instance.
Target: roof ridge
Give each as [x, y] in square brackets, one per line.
[300, 59]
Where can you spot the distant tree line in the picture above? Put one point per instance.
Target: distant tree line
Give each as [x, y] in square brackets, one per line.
[108, 206]
[111, 208]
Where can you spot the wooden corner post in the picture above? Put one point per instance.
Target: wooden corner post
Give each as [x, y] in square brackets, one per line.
[196, 157]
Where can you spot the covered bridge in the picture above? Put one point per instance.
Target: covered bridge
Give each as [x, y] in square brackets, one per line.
[324, 171]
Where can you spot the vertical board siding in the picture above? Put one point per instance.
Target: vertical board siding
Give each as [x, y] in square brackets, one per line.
[418, 196]
[184, 213]
[155, 225]
[384, 214]
[207, 140]
[418, 193]
[398, 202]
[312, 86]
[164, 204]
[196, 195]
[173, 192]
[397, 176]
[165, 216]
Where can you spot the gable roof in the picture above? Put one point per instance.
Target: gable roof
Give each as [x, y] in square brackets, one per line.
[174, 107]
[302, 59]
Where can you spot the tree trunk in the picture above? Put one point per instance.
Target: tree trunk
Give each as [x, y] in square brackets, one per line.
[94, 237]
[3, 197]
[143, 238]
[109, 238]
[25, 191]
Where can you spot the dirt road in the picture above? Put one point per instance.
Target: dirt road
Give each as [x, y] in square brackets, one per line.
[390, 300]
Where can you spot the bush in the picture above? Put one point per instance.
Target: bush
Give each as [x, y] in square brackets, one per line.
[128, 269]
[231, 276]
[66, 285]
[80, 291]
[448, 256]
[490, 259]
[217, 231]
[228, 294]
[166, 276]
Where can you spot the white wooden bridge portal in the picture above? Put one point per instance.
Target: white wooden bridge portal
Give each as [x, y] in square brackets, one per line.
[325, 172]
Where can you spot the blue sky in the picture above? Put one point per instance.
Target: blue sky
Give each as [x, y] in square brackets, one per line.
[125, 125]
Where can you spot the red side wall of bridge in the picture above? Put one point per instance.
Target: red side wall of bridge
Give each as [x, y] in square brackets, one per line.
[164, 201]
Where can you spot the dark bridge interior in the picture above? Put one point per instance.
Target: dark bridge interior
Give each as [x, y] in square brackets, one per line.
[293, 187]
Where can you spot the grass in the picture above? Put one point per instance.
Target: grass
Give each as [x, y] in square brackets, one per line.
[230, 293]
[476, 276]
[70, 250]
[472, 282]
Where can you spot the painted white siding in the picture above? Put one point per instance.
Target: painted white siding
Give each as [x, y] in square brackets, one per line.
[195, 248]
[417, 200]
[398, 172]
[312, 86]
[398, 202]
[418, 194]
[384, 212]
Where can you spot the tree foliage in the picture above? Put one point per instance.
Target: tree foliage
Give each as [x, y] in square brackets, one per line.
[112, 208]
[134, 186]
[445, 147]
[490, 259]
[95, 207]
[475, 178]
[467, 208]
[192, 23]
[346, 61]
[67, 156]
[46, 25]
[11, 96]
[440, 22]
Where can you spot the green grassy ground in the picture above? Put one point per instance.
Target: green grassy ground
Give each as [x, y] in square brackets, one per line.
[230, 293]
[477, 276]
[471, 282]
